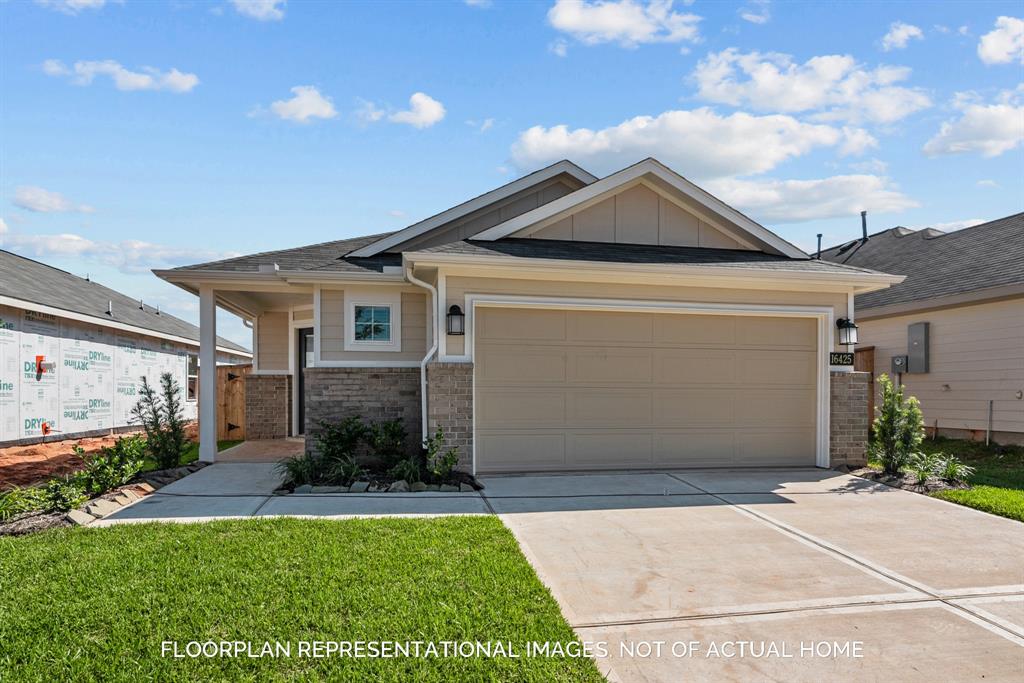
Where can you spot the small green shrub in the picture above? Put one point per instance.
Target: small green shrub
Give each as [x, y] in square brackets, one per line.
[21, 499]
[301, 469]
[339, 441]
[408, 469]
[161, 417]
[440, 462]
[952, 469]
[898, 429]
[923, 466]
[113, 466]
[65, 493]
[388, 441]
[344, 472]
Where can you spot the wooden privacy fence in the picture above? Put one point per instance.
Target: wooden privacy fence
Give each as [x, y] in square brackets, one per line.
[231, 401]
[864, 361]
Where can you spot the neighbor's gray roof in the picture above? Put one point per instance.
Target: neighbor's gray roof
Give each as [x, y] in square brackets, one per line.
[35, 282]
[937, 263]
[605, 252]
[326, 256]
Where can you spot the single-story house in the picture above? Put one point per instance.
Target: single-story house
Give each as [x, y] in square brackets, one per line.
[73, 352]
[955, 326]
[559, 322]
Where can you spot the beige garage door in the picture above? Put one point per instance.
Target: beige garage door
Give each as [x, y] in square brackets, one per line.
[581, 390]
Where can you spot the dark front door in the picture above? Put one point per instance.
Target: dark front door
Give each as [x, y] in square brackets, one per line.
[305, 361]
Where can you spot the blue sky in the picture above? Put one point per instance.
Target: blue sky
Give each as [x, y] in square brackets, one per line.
[142, 134]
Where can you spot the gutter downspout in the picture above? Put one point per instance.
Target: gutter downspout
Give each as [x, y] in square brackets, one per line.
[431, 351]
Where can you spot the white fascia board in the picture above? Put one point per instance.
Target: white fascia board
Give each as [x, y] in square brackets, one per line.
[466, 208]
[112, 324]
[627, 175]
[546, 269]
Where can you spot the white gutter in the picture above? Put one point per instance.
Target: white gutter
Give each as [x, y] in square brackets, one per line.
[431, 351]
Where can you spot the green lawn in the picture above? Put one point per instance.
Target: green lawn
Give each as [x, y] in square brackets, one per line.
[998, 480]
[191, 454]
[95, 604]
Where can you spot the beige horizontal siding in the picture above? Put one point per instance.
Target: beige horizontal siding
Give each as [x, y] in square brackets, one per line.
[978, 351]
[272, 342]
[415, 329]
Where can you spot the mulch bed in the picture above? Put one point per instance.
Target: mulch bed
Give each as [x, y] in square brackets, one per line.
[908, 482]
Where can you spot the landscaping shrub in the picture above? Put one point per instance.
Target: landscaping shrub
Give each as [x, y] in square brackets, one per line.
[340, 441]
[923, 466]
[344, 472]
[113, 466]
[952, 469]
[387, 440]
[301, 469]
[65, 493]
[161, 417]
[408, 469]
[440, 462]
[898, 429]
[21, 499]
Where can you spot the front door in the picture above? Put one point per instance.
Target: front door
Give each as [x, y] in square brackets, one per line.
[305, 359]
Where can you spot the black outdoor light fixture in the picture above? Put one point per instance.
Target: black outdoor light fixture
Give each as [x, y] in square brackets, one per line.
[456, 321]
[847, 331]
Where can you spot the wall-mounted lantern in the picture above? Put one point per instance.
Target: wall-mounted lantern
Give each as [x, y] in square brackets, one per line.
[847, 331]
[456, 321]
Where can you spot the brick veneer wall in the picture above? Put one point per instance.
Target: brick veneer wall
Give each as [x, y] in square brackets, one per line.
[450, 406]
[268, 406]
[848, 422]
[374, 394]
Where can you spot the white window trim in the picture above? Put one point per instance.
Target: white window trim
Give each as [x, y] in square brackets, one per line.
[369, 297]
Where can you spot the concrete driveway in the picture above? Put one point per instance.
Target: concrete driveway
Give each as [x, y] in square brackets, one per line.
[774, 561]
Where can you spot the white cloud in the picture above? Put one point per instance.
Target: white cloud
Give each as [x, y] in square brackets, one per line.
[368, 112]
[626, 22]
[424, 111]
[307, 104]
[872, 166]
[147, 78]
[482, 126]
[986, 129]
[756, 11]
[794, 201]
[856, 141]
[261, 10]
[699, 143]
[900, 35]
[953, 226]
[1005, 43]
[71, 6]
[40, 200]
[834, 86]
[559, 48]
[987, 182]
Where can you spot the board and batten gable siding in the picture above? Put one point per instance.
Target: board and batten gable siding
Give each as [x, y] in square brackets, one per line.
[458, 287]
[499, 212]
[415, 331]
[638, 215]
[272, 342]
[95, 380]
[978, 351]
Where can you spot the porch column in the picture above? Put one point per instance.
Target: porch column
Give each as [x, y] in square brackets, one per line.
[207, 374]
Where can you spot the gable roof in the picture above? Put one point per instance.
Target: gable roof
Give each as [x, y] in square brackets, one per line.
[939, 264]
[27, 281]
[465, 208]
[647, 168]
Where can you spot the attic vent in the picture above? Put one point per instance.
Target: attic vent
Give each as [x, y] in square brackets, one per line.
[846, 247]
[268, 268]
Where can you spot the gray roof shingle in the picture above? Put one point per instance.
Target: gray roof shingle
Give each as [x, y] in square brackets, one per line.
[937, 263]
[32, 281]
[605, 252]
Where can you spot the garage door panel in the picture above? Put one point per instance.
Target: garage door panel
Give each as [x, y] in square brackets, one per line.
[608, 449]
[780, 368]
[520, 408]
[694, 407]
[641, 390]
[520, 450]
[609, 407]
[697, 330]
[610, 365]
[695, 366]
[503, 363]
[694, 448]
[521, 324]
[605, 328]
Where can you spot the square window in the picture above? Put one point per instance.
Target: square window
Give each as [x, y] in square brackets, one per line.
[372, 324]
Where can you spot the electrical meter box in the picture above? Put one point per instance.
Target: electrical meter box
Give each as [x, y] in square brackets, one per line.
[899, 364]
[917, 347]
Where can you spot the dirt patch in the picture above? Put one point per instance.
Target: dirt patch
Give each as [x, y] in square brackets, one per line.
[908, 482]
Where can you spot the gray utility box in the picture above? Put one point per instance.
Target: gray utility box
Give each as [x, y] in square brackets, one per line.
[899, 365]
[917, 348]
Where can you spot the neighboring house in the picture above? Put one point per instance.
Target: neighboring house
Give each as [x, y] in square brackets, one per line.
[559, 322]
[964, 291]
[92, 344]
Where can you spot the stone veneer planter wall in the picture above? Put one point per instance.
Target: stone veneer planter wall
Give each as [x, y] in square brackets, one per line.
[374, 394]
[848, 433]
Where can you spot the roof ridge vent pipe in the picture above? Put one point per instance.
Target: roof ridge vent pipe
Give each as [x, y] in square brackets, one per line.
[864, 225]
[110, 308]
[431, 351]
[142, 306]
[818, 254]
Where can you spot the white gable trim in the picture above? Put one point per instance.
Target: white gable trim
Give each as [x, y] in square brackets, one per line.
[599, 189]
[475, 204]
